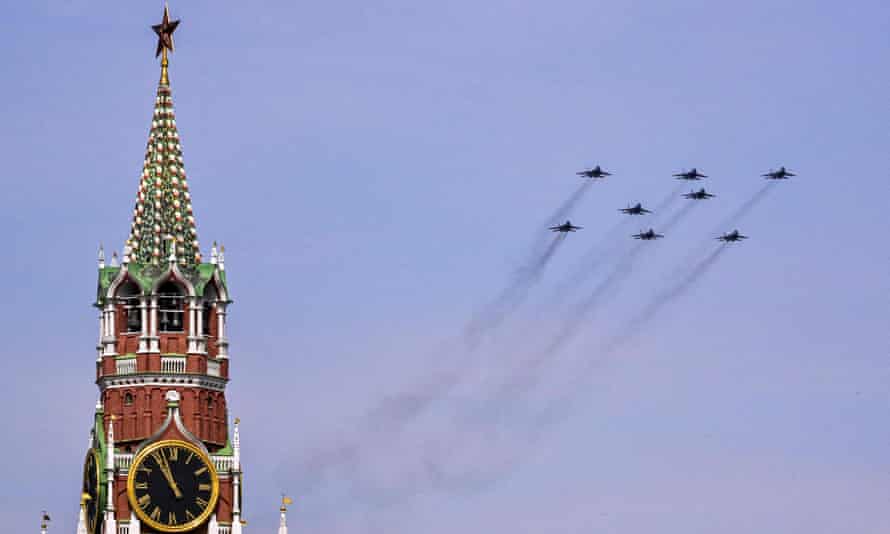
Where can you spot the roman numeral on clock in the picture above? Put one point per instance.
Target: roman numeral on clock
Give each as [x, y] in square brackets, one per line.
[201, 502]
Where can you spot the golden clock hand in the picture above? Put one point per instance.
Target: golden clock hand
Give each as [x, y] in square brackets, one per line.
[165, 469]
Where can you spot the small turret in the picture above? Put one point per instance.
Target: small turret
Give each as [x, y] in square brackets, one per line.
[82, 515]
[44, 520]
[110, 523]
[282, 523]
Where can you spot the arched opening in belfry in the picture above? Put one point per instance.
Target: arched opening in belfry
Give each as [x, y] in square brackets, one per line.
[171, 307]
[128, 297]
[209, 298]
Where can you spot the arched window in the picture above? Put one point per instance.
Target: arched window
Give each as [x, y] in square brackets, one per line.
[128, 296]
[128, 399]
[210, 298]
[171, 305]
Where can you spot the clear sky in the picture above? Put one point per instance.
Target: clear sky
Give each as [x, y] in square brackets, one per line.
[378, 172]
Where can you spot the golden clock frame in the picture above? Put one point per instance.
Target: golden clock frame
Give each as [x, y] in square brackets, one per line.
[96, 460]
[131, 490]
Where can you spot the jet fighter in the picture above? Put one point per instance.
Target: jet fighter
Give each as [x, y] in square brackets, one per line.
[732, 237]
[565, 227]
[595, 172]
[781, 174]
[635, 210]
[648, 235]
[701, 194]
[691, 174]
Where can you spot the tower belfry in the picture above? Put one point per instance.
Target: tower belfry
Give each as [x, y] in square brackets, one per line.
[162, 457]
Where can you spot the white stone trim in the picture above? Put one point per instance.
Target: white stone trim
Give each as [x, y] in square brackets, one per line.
[222, 464]
[174, 273]
[162, 380]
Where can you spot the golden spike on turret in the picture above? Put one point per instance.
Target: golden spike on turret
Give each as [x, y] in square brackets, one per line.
[165, 79]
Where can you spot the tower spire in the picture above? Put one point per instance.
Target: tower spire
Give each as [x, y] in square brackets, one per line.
[163, 212]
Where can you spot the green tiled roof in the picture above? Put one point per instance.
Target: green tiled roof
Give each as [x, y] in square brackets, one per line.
[147, 275]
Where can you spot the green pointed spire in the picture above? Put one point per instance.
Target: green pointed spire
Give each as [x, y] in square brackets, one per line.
[163, 215]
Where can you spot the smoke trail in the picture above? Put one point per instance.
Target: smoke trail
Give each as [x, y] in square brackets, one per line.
[743, 210]
[725, 225]
[566, 207]
[526, 373]
[598, 255]
[678, 216]
[593, 260]
[668, 200]
[513, 295]
[664, 298]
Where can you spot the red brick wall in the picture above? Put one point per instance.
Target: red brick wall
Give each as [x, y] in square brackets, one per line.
[202, 411]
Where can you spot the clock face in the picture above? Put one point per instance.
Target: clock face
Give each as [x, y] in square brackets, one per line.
[91, 487]
[172, 486]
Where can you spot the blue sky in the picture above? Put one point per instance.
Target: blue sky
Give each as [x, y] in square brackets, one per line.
[377, 173]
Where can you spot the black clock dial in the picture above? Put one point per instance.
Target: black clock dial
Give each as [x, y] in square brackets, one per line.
[173, 486]
[92, 487]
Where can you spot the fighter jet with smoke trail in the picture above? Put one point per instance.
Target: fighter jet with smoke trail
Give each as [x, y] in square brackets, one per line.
[691, 174]
[635, 210]
[732, 237]
[595, 172]
[565, 227]
[648, 235]
[701, 194]
[781, 174]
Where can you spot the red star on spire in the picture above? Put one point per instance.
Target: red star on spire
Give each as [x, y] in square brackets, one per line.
[165, 32]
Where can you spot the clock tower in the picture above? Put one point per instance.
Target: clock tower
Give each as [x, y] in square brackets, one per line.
[162, 456]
